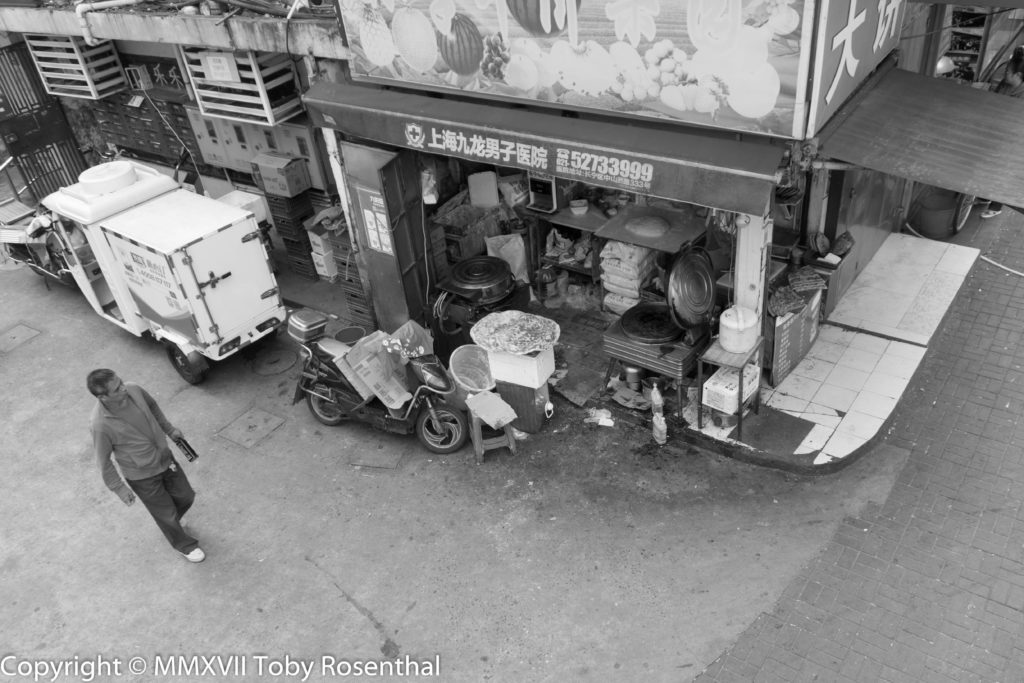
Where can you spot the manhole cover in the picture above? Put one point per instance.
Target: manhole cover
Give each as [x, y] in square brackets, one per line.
[251, 427]
[274, 361]
[15, 337]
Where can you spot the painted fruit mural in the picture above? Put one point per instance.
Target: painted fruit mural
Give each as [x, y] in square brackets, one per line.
[731, 64]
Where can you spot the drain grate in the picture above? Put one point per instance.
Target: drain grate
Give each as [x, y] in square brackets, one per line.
[15, 337]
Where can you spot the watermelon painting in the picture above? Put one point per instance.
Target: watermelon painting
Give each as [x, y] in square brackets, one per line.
[732, 64]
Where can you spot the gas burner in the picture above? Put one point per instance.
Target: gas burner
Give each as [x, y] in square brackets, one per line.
[480, 279]
[650, 323]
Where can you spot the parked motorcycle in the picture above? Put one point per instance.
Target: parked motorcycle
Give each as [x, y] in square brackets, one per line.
[332, 398]
[46, 246]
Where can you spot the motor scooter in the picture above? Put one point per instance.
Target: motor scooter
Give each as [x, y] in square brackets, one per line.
[47, 247]
[331, 397]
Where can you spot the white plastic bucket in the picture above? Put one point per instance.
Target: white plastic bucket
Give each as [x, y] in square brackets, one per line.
[737, 329]
[470, 369]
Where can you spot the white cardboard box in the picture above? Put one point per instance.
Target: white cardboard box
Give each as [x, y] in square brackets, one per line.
[325, 264]
[722, 388]
[530, 371]
[318, 240]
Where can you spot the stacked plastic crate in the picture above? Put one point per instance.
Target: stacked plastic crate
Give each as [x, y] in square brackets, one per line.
[288, 214]
[286, 185]
[358, 307]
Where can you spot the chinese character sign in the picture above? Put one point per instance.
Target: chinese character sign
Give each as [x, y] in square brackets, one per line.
[732, 64]
[854, 36]
[591, 165]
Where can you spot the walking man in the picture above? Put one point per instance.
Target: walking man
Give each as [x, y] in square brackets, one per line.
[129, 427]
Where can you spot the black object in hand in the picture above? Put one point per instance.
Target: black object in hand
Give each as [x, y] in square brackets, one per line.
[186, 448]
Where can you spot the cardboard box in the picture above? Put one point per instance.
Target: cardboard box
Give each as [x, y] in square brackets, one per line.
[376, 368]
[530, 371]
[325, 264]
[281, 175]
[722, 388]
[320, 241]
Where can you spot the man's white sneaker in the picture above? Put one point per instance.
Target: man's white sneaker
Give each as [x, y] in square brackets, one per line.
[991, 213]
[197, 555]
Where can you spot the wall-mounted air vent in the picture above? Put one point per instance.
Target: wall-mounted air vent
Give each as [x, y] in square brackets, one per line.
[71, 68]
[256, 87]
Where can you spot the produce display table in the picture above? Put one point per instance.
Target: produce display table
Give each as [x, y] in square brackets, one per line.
[716, 355]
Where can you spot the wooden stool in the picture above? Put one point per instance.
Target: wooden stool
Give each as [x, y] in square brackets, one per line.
[504, 440]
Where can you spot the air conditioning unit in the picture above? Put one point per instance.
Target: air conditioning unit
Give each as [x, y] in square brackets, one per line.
[256, 87]
[70, 67]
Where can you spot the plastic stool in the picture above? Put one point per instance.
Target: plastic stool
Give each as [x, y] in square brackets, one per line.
[505, 439]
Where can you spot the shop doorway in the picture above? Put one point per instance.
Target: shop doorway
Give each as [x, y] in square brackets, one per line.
[33, 127]
[389, 222]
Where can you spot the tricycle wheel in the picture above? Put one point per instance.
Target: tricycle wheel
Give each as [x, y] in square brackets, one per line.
[192, 369]
[326, 412]
[445, 435]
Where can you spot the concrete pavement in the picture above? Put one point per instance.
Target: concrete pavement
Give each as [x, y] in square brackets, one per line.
[928, 586]
[589, 556]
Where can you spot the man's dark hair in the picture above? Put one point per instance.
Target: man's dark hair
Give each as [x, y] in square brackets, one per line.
[98, 380]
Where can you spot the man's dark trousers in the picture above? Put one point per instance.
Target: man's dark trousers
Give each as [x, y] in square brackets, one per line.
[168, 496]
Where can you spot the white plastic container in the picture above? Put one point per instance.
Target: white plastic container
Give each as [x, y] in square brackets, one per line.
[531, 370]
[737, 329]
[722, 389]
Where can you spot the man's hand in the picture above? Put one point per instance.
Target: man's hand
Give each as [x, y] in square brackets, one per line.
[127, 496]
[175, 434]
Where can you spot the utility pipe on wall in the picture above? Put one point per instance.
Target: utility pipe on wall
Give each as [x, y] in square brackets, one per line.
[83, 7]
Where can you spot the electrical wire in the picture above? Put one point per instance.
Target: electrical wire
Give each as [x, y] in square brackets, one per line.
[199, 176]
[428, 258]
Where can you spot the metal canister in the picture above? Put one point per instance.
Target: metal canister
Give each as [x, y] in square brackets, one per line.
[634, 376]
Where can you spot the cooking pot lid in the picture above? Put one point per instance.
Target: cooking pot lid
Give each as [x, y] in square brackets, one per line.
[650, 323]
[691, 289]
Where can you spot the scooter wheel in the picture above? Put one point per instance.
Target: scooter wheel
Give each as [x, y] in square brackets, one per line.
[325, 412]
[448, 435]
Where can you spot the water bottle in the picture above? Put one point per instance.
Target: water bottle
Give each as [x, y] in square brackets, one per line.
[657, 400]
[659, 429]
[658, 426]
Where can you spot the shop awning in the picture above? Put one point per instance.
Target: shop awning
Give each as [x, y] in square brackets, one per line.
[706, 169]
[933, 131]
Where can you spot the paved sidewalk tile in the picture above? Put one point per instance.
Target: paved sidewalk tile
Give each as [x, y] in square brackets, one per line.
[930, 585]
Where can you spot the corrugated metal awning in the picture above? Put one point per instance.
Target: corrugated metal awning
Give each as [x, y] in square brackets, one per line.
[933, 131]
[707, 169]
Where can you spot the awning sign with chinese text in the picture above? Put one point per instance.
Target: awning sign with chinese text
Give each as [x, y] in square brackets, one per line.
[566, 161]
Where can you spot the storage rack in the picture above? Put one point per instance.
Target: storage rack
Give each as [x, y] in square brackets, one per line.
[968, 40]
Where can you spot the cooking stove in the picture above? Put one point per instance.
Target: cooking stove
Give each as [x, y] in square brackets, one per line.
[475, 287]
[667, 337]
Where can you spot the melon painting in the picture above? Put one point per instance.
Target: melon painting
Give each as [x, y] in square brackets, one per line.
[732, 64]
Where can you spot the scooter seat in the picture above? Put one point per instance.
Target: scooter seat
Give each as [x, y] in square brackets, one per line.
[334, 348]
